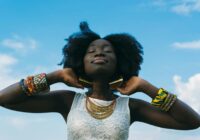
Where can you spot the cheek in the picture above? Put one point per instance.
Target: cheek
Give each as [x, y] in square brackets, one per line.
[112, 68]
[114, 65]
[86, 64]
[114, 61]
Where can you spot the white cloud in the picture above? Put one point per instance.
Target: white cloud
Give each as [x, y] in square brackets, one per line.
[7, 76]
[187, 45]
[186, 7]
[6, 63]
[189, 91]
[19, 43]
[182, 7]
[6, 60]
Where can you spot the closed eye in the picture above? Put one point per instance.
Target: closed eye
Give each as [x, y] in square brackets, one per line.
[90, 51]
[108, 51]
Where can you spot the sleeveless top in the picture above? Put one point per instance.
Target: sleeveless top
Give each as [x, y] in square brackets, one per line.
[82, 126]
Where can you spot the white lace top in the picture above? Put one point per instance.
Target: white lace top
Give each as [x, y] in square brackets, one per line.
[82, 126]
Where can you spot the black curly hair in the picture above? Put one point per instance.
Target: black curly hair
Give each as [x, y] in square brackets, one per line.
[128, 51]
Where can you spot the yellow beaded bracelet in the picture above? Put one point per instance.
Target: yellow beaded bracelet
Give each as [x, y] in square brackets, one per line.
[164, 100]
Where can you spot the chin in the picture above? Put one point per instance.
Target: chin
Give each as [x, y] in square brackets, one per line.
[100, 73]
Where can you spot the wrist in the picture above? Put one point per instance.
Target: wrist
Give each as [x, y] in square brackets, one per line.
[54, 77]
[148, 89]
[143, 86]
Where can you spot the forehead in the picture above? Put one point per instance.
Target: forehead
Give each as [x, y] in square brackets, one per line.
[100, 42]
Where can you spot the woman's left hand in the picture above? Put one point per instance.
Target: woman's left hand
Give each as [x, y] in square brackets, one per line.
[131, 86]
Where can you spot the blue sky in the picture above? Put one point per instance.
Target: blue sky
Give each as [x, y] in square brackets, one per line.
[32, 35]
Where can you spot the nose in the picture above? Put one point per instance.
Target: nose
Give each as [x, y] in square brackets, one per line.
[99, 52]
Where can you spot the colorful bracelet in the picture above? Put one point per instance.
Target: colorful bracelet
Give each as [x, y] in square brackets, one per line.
[24, 88]
[160, 98]
[164, 100]
[30, 85]
[35, 84]
[168, 101]
[40, 82]
[171, 103]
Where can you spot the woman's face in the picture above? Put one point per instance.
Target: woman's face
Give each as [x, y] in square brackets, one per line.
[100, 60]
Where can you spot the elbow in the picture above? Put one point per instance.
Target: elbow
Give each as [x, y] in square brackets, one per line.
[1, 100]
[194, 126]
[190, 126]
[197, 125]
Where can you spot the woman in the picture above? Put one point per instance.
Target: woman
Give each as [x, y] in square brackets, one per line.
[104, 66]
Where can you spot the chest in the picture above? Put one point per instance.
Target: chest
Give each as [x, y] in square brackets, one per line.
[81, 124]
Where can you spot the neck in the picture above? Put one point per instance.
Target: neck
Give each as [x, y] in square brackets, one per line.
[101, 90]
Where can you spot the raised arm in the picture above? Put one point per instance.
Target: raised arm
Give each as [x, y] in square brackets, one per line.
[180, 115]
[13, 97]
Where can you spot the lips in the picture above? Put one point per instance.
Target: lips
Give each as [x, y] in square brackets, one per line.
[99, 60]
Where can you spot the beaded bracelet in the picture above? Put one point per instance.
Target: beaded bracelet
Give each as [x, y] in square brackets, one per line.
[30, 85]
[169, 105]
[35, 84]
[167, 100]
[164, 100]
[40, 82]
[24, 88]
[159, 99]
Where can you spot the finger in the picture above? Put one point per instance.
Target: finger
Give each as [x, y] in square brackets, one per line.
[123, 85]
[121, 90]
[78, 85]
[124, 91]
[74, 83]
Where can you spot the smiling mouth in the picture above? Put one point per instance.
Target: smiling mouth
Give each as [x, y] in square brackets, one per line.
[99, 61]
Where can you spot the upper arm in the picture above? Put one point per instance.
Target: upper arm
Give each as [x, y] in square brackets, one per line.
[53, 101]
[145, 112]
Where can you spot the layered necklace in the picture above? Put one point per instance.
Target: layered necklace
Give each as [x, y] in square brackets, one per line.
[99, 111]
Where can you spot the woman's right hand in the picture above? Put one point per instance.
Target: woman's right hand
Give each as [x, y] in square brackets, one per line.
[69, 78]
[66, 76]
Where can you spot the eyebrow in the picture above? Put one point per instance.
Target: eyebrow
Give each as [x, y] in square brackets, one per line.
[106, 44]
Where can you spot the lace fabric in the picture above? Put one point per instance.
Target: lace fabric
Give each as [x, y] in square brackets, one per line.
[82, 126]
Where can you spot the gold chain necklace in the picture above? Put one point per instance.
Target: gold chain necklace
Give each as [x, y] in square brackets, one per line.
[99, 112]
